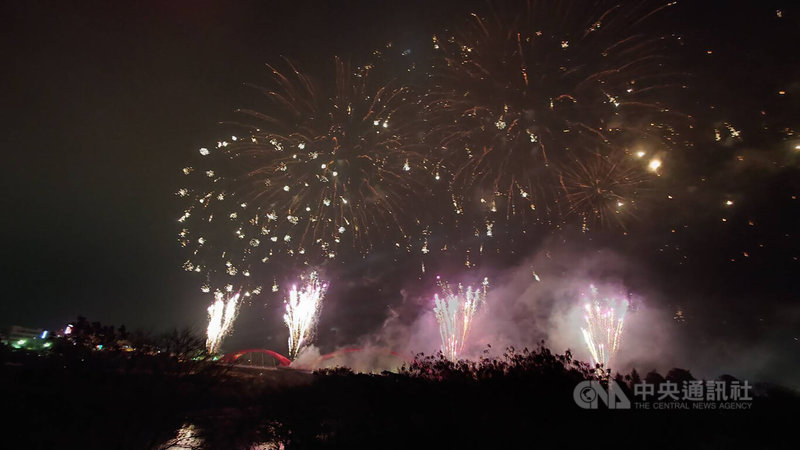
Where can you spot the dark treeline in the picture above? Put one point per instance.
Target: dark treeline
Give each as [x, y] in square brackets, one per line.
[78, 397]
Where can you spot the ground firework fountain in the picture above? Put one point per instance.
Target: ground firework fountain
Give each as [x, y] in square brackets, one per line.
[221, 315]
[455, 311]
[603, 330]
[302, 309]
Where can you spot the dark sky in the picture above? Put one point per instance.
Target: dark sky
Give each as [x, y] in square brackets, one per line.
[103, 102]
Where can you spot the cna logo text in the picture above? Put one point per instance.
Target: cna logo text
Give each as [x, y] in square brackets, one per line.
[690, 395]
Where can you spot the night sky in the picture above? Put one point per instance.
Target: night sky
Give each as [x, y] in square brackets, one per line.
[104, 102]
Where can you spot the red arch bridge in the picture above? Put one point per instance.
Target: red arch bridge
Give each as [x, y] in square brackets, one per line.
[262, 357]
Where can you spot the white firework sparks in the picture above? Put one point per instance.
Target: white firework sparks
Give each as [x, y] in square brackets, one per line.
[221, 315]
[455, 312]
[302, 310]
[604, 321]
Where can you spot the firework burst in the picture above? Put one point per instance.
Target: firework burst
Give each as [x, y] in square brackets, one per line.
[604, 320]
[455, 312]
[302, 311]
[603, 190]
[521, 94]
[328, 167]
[221, 315]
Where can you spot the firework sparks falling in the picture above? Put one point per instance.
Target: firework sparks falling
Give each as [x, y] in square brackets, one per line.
[603, 189]
[302, 310]
[604, 320]
[221, 315]
[330, 166]
[455, 312]
[521, 93]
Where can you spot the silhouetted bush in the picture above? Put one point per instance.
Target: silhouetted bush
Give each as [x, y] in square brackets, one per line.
[80, 398]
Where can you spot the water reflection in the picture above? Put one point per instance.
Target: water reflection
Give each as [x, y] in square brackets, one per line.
[188, 437]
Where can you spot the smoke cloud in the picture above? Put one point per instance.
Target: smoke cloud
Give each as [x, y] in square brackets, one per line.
[541, 299]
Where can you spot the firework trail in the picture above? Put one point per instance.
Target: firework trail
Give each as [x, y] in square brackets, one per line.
[532, 90]
[329, 166]
[455, 312]
[604, 320]
[302, 310]
[221, 315]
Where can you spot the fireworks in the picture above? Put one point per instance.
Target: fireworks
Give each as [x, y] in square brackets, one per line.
[538, 111]
[519, 97]
[603, 190]
[455, 313]
[604, 319]
[221, 315]
[329, 166]
[302, 310]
